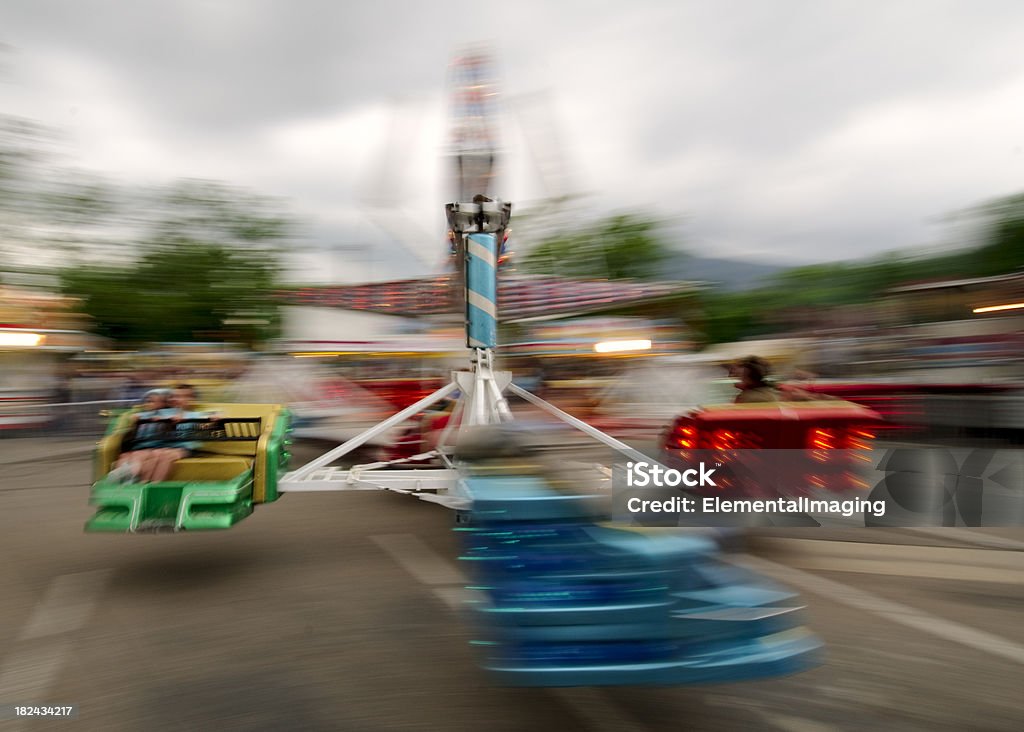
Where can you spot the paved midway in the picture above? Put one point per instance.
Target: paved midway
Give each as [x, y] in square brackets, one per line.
[342, 612]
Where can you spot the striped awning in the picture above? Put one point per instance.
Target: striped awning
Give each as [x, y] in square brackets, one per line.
[520, 297]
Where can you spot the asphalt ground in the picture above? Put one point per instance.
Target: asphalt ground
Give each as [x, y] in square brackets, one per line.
[341, 611]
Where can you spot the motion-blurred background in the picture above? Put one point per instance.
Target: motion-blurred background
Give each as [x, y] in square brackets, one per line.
[248, 197]
[842, 187]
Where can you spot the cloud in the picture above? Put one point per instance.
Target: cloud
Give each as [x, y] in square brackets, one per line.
[786, 130]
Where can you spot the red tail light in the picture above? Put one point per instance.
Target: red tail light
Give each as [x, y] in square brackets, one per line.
[683, 436]
[734, 440]
[725, 440]
[821, 441]
[821, 438]
[859, 438]
[830, 438]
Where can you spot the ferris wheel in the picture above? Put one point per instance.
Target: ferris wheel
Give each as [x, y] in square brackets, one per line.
[473, 123]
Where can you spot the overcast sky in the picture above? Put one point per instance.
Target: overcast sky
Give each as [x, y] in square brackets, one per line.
[775, 130]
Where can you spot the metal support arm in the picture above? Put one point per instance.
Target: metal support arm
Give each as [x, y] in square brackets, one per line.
[327, 458]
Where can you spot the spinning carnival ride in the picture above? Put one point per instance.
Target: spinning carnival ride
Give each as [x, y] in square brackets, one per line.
[564, 599]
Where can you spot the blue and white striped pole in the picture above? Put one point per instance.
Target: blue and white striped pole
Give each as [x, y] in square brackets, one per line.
[482, 290]
[477, 228]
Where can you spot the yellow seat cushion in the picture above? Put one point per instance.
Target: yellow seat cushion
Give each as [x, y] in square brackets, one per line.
[267, 412]
[209, 468]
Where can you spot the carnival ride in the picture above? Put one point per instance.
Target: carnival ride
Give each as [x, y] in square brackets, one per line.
[565, 599]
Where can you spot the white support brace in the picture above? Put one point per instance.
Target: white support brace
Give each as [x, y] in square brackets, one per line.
[329, 457]
[579, 424]
[416, 480]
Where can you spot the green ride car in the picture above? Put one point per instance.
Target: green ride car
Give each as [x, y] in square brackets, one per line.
[239, 458]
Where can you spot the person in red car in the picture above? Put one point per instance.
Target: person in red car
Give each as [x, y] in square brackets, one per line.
[753, 385]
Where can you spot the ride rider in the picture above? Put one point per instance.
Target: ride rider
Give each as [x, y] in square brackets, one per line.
[177, 446]
[753, 382]
[162, 445]
[137, 464]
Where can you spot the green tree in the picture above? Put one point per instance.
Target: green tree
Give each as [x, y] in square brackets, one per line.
[624, 246]
[1003, 247]
[190, 291]
[207, 270]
